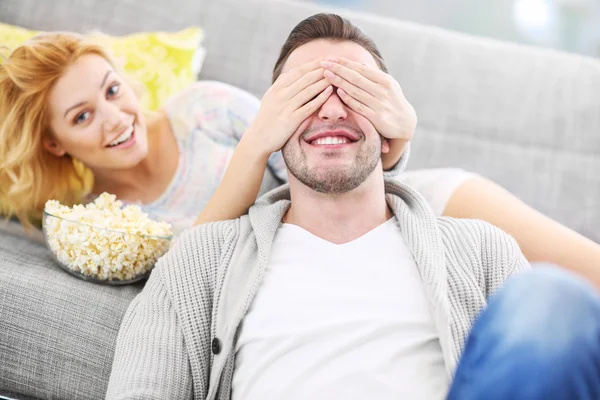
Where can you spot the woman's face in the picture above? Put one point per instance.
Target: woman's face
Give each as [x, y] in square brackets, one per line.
[96, 117]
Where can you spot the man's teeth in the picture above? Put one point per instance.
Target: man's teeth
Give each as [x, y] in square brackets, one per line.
[123, 137]
[332, 140]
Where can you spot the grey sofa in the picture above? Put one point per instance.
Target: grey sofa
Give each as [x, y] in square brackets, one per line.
[528, 118]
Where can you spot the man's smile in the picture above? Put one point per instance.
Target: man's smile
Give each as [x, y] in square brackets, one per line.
[332, 139]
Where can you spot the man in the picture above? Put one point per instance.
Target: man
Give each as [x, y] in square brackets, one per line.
[344, 284]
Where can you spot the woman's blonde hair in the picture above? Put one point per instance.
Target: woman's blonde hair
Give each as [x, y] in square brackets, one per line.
[30, 175]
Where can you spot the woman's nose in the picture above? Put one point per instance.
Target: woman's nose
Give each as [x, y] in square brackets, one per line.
[111, 116]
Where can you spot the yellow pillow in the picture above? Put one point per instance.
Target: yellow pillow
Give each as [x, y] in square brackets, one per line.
[164, 62]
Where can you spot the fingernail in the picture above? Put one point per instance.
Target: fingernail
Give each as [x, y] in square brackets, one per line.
[333, 59]
[329, 88]
[326, 64]
[329, 74]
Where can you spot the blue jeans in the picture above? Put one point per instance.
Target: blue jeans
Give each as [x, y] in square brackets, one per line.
[539, 338]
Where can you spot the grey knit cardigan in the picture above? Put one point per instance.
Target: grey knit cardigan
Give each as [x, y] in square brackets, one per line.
[177, 338]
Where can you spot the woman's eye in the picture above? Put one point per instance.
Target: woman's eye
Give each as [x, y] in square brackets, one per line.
[82, 117]
[113, 90]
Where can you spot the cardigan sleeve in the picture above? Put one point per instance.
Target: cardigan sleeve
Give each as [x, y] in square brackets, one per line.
[502, 257]
[150, 360]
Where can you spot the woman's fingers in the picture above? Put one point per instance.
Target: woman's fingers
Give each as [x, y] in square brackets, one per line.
[353, 90]
[356, 105]
[309, 108]
[309, 93]
[302, 83]
[373, 74]
[354, 77]
[290, 77]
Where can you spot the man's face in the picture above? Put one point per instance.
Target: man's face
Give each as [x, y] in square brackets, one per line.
[334, 150]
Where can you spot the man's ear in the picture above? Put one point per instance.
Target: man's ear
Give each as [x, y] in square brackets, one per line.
[385, 145]
[53, 147]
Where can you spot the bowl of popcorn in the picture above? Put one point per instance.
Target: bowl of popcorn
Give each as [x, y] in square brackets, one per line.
[103, 241]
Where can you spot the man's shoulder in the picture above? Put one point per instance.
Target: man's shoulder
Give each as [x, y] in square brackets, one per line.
[209, 234]
[200, 248]
[189, 272]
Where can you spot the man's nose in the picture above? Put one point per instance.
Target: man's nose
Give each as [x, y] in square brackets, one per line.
[333, 109]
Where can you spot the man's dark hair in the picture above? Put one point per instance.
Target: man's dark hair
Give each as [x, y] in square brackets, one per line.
[325, 26]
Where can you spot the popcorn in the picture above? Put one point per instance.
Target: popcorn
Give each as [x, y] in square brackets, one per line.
[105, 240]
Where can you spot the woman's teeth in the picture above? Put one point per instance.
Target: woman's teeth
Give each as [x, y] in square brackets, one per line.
[122, 137]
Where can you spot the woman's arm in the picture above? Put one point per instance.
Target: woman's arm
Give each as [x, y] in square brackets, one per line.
[239, 187]
[540, 238]
[293, 97]
[392, 157]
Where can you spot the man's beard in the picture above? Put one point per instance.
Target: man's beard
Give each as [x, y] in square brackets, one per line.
[333, 180]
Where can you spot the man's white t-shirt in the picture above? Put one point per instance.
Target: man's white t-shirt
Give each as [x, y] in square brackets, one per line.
[348, 321]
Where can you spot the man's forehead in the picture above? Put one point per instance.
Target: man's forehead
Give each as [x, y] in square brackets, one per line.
[318, 49]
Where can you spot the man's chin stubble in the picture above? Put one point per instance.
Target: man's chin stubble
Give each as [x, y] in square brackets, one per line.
[335, 183]
[332, 181]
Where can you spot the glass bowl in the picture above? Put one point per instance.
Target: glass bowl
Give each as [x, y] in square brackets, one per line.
[102, 255]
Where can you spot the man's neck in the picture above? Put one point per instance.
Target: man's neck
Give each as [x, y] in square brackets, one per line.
[339, 218]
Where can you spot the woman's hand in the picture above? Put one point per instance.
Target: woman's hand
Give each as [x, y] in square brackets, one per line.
[293, 97]
[374, 94]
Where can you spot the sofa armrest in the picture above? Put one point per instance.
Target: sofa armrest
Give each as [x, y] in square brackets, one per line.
[57, 333]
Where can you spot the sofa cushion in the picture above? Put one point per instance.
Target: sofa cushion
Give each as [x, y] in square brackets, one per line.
[163, 62]
[58, 333]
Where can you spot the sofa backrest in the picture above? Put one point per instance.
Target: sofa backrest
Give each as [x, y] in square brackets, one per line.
[525, 117]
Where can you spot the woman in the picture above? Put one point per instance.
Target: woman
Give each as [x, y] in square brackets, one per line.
[71, 127]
